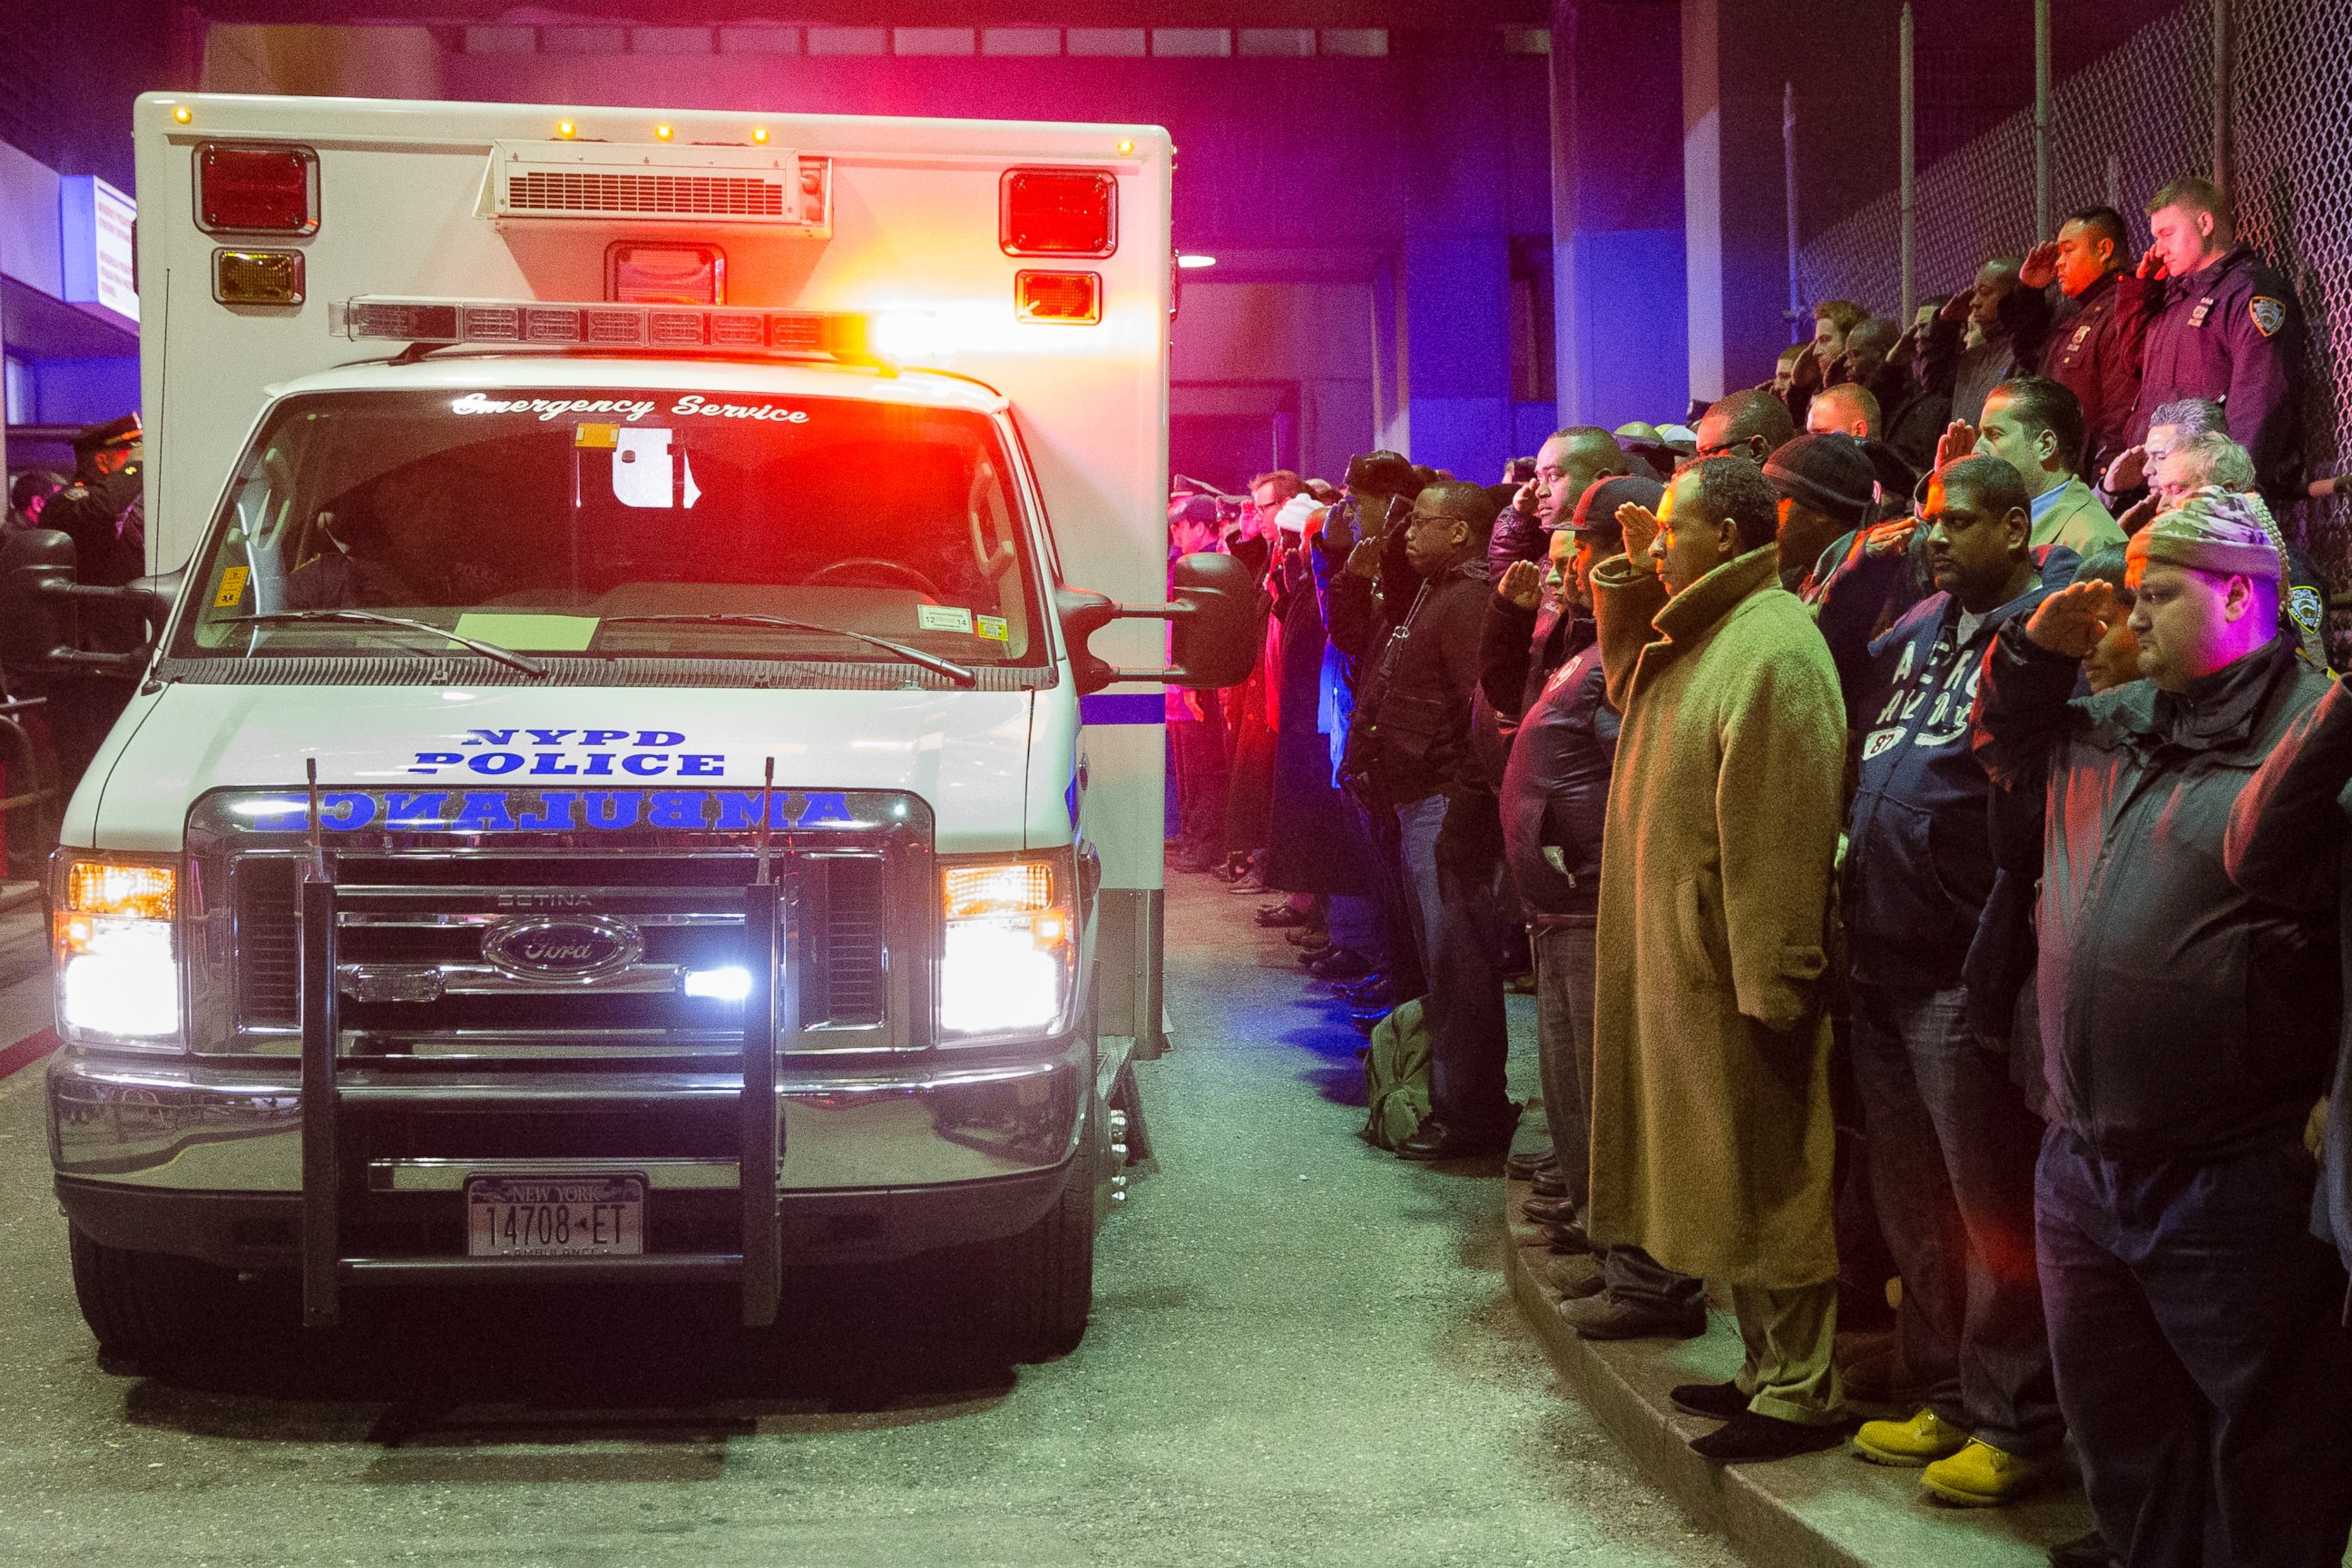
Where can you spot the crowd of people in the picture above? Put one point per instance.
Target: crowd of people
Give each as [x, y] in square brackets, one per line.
[1914, 786]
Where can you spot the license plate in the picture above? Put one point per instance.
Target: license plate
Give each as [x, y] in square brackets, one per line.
[555, 1216]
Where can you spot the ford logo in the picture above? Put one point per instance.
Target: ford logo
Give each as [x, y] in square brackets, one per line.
[562, 947]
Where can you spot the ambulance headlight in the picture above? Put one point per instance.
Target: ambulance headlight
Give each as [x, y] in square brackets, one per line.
[112, 934]
[1008, 950]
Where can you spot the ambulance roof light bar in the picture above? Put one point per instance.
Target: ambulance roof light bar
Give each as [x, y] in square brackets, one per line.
[709, 330]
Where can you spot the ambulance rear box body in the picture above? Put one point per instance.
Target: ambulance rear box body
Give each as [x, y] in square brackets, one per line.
[623, 790]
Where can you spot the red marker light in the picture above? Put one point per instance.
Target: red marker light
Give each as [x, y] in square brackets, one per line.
[1058, 212]
[256, 188]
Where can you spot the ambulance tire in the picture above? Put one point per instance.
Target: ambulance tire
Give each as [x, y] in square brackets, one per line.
[147, 1307]
[1043, 1278]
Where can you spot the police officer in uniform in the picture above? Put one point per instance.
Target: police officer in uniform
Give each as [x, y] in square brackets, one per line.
[2222, 326]
[2097, 333]
[104, 513]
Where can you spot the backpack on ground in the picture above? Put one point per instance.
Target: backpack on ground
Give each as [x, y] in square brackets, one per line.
[1396, 1076]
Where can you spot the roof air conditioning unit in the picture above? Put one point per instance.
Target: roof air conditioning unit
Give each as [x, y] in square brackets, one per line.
[688, 186]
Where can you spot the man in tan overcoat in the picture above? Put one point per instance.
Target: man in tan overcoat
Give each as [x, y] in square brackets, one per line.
[1711, 1130]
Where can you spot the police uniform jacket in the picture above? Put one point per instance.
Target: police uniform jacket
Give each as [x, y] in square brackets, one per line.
[2094, 351]
[2233, 333]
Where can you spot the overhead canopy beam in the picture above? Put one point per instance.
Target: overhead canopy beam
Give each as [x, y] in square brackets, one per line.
[1394, 13]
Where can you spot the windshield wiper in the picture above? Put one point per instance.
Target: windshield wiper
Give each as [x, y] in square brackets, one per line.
[930, 661]
[505, 655]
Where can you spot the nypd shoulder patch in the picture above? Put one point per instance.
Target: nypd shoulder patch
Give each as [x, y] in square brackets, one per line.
[2306, 609]
[2269, 315]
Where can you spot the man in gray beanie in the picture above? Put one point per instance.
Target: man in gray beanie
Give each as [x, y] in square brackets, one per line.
[2187, 1028]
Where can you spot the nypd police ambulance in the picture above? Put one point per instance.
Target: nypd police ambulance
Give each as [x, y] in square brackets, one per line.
[648, 763]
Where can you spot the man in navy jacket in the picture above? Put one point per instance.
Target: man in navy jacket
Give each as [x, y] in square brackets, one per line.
[1952, 1140]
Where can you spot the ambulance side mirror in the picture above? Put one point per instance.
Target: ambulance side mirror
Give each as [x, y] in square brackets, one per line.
[37, 567]
[1219, 615]
[36, 584]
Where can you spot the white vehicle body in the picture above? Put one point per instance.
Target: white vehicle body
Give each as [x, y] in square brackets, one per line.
[892, 1138]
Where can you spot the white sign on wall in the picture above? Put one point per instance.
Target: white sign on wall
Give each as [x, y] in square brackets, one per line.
[97, 224]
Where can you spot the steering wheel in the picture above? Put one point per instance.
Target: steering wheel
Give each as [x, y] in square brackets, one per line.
[876, 563]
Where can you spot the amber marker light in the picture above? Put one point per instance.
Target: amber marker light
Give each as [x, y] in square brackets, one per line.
[183, 114]
[662, 132]
[760, 135]
[566, 130]
[1125, 147]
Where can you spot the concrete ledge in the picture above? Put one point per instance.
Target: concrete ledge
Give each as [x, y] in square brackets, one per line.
[1821, 1510]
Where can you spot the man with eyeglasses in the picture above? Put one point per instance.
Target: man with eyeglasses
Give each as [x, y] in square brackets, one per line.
[1750, 424]
[1411, 735]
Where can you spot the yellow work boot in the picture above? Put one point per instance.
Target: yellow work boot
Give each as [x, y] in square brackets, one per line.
[1922, 1440]
[1981, 1476]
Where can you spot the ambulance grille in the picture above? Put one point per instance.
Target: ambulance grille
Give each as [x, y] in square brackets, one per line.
[672, 195]
[842, 965]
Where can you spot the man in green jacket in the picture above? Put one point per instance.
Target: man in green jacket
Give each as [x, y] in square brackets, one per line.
[1711, 1130]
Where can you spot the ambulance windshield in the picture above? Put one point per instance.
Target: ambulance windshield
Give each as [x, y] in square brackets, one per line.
[620, 524]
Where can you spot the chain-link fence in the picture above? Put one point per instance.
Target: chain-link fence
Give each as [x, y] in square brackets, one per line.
[2120, 129]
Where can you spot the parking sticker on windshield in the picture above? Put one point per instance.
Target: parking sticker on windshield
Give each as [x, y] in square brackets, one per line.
[597, 435]
[943, 618]
[994, 627]
[232, 587]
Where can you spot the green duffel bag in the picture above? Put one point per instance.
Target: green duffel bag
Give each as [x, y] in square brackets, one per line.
[1396, 1076]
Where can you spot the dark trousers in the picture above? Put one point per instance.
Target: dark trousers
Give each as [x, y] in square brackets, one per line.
[1401, 948]
[1197, 747]
[1952, 1148]
[1456, 925]
[2200, 1361]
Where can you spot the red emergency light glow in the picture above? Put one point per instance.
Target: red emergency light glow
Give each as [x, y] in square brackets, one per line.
[256, 188]
[643, 272]
[1058, 212]
[1070, 299]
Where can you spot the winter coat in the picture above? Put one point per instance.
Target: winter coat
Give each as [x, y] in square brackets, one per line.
[2233, 333]
[1314, 843]
[1711, 1126]
[1919, 862]
[1555, 795]
[2180, 1018]
[1411, 729]
[2094, 351]
[1517, 652]
[2289, 844]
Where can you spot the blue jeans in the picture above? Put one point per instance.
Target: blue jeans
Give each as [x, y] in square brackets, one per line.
[2200, 1360]
[1952, 1148]
[1456, 925]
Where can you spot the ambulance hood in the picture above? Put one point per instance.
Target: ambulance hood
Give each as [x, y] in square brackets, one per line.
[967, 753]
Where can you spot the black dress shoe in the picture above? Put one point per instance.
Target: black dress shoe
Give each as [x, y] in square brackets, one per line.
[1715, 1401]
[1307, 936]
[1527, 1161]
[1550, 1211]
[1341, 964]
[1547, 1183]
[1749, 1439]
[1436, 1140]
[1609, 1316]
[1282, 916]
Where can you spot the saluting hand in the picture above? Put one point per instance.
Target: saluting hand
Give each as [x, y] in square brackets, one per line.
[1887, 538]
[1522, 585]
[1364, 561]
[1640, 525]
[1959, 440]
[2129, 472]
[2073, 620]
[2041, 265]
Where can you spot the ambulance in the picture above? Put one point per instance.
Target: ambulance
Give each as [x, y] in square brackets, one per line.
[648, 763]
